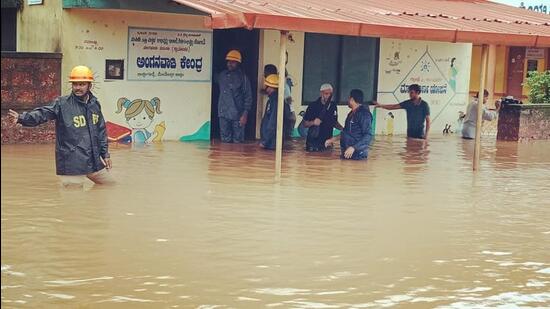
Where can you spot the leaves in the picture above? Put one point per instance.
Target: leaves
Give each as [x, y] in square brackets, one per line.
[539, 87]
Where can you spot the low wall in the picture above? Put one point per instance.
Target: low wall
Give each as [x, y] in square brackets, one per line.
[518, 122]
[29, 80]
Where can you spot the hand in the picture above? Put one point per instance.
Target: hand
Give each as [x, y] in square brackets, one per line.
[498, 105]
[329, 142]
[13, 115]
[242, 121]
[317, 122]
[107, 162]
[349, 152]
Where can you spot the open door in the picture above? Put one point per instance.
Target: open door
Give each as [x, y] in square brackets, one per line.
[247, 42]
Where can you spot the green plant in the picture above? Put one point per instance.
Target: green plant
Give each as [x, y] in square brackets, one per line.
[539, 87]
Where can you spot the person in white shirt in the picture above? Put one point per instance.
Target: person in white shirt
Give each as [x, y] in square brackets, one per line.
[469, 125]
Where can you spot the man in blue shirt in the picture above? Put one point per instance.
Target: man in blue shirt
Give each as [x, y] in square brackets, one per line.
[235, 99]
[418, 112]
[357, 134]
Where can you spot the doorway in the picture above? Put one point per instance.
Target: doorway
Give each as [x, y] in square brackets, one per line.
[247, 42]
[516, 62]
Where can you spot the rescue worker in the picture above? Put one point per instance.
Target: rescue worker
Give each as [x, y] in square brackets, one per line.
[268, 129]
[357, 134]
[235, 100]
[418, 112]
[321, 118]
[81, 148]
[290, 121]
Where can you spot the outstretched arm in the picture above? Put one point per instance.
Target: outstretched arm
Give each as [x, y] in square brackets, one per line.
[37, 116]
[388, 106]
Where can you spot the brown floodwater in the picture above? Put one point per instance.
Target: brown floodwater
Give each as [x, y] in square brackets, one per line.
[194, 225]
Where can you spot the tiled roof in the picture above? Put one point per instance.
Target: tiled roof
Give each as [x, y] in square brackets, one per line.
[476, 21]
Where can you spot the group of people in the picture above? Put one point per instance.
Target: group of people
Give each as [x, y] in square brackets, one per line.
[81, 137]
[320, 118]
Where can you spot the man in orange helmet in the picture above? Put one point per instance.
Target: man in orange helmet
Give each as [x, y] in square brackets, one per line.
[235, 99]
[81, 148]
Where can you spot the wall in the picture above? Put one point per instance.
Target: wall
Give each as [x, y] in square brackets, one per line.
[404, 62]
[29, 80]
[38, 27]
[524, 122]
[92, 36]
[500, 70]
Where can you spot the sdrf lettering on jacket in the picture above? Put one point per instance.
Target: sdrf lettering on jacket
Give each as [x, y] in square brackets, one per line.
[80, 121]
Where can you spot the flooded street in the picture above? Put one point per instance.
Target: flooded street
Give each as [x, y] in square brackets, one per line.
[192, 225]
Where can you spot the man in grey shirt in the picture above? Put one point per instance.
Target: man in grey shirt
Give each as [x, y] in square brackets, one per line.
[235, 99]
[469, 126]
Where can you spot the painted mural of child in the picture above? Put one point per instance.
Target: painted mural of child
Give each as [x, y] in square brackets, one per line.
[139, 115]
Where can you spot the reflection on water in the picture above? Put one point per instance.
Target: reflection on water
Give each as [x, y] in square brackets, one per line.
[200, 225]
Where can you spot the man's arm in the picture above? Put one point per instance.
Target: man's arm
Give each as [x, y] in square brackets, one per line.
[388, 106]
[103, 142]
[428, 120]
[37, 116]
[247, 89]
[309, 120]
[428, 124]
[366, 137]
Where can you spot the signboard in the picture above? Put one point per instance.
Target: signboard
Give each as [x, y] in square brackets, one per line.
[169, 55]
[534, 53]
[34, 2]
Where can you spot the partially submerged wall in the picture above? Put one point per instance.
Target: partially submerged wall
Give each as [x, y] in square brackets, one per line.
[29, 80]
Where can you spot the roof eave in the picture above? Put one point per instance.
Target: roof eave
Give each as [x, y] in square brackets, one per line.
[291, 23]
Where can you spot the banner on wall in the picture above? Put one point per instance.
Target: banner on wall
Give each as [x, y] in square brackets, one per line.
[441, 69]
[169, 55]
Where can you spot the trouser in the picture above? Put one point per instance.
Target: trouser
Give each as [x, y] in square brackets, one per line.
[102, 177]
[290, 123]
[231, 131]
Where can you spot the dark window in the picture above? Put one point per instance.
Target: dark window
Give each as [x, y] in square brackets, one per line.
[9, 27]
[345, 62]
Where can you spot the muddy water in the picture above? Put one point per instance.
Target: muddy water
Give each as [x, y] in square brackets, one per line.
[201, 226]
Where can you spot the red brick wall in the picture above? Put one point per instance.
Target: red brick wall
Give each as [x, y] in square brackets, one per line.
[29, 80]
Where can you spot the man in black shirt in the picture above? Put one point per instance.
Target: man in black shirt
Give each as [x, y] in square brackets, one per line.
[418, 112]
[321, 118]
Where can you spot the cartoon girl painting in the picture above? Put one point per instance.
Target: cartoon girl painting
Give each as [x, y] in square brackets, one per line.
[139, 115]
[453, 72]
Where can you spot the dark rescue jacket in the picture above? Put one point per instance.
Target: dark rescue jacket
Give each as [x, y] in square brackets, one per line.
[81, 137]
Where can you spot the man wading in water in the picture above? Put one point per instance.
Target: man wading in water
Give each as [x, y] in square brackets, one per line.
[235, 99]
[418, 112]
[81, 148]
[356, 136]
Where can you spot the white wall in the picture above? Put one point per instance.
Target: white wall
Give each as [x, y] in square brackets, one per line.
[404, 62]
[91, 36]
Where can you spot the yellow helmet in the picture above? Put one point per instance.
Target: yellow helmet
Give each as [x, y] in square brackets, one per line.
[272, 81]
[234, 55]
[81, 74]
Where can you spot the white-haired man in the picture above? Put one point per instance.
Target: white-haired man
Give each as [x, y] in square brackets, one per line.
[321, 118]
